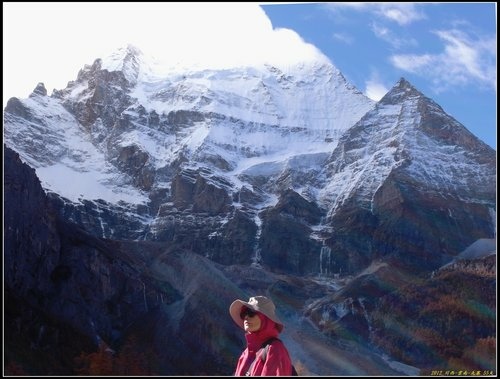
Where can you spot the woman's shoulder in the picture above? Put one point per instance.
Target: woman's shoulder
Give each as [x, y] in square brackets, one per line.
[275, 344]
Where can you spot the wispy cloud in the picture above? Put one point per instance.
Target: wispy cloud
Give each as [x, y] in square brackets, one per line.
[465, 59]
[387, 35]
[412, 62]
[401, 13]
[343, 37]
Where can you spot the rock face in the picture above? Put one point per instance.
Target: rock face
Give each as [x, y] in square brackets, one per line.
[36, 243]
[285, 245]
[79, 285]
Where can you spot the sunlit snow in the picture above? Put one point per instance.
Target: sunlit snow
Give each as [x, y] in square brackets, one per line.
[65, 159]
[268, 119]
[77, 185]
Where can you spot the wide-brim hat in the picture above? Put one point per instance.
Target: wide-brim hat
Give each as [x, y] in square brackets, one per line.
[260, 304]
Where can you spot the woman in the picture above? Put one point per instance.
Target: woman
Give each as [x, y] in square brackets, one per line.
[265, 354]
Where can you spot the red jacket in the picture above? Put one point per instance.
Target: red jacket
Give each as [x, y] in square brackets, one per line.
[278, 361]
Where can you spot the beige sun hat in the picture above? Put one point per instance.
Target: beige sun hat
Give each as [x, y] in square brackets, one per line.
[260, 304]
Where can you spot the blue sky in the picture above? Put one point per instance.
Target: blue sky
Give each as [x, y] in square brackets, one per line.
[446, 50]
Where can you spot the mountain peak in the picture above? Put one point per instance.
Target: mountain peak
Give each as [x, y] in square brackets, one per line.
[133, 50]
[126, 59]
[403, 89]
[403, 83]
[123, 53]
[39, 90]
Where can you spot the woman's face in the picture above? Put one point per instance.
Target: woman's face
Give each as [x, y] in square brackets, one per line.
[251, 322]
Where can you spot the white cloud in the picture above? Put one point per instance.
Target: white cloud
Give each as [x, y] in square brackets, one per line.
[401, 13]
[50, 42]
[468, 55]
[412, 62]
[464, 60]
[374, 88]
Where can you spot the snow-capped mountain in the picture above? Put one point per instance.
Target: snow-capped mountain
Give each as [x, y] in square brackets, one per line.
[238, 118]
[245, 120]
[405, 172]
[134, 150]
[409, 133]
[160, 184]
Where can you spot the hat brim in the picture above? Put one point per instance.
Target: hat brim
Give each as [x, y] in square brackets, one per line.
[235, 311]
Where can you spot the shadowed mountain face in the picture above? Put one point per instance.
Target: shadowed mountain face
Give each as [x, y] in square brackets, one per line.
[145, 205]
[136, 297]
[67, 293]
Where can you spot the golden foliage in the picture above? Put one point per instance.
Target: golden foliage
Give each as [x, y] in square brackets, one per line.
[440, 322]
[130, 361]
[481, 356]
[96, 363]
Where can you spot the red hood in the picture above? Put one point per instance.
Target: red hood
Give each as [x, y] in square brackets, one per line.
[267, 330]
